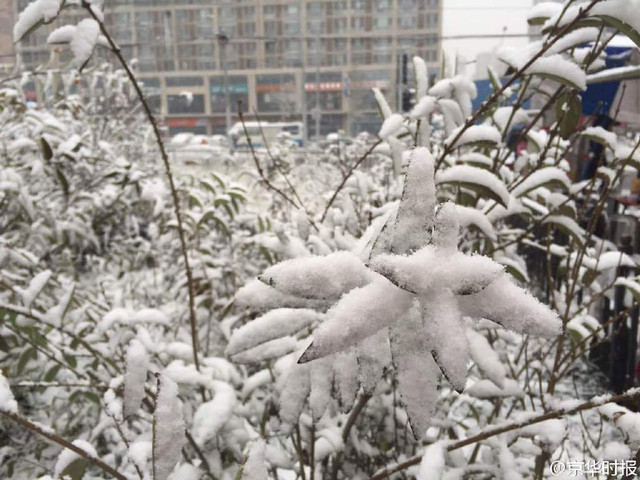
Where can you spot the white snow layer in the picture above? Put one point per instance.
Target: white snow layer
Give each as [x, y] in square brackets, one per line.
[37, 11]
[433, 461]
[417, 373]
[211, 416]
[7, 401]
[169, 428]
[84, 41]
[255, 468]
[542, 177]
[609, 139]
[318, 277]
[486, 358]
[36, 285]
[474, 134]
[137, 362]
[466, 174]
[416, 210]
[67, 456]
[272, 325]
[391, 126]
[358, 315]
[512, 307]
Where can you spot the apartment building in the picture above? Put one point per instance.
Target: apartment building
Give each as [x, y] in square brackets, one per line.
[287, 60]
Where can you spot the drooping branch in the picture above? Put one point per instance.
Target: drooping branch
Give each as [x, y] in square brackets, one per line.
[64, 443]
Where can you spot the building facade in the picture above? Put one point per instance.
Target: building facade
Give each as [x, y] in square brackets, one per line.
[287, 60]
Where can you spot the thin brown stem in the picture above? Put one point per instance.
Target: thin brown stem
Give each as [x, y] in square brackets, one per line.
[64, 443]
[193, 319]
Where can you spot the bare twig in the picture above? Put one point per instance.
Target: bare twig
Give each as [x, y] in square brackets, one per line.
[193, 319]
[64, 443]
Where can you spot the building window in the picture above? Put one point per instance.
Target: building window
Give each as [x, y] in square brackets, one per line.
[238, 92]
[184, 81]
[180, 104]
[276, 93]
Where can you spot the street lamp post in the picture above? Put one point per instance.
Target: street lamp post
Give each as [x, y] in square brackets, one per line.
[223, 40]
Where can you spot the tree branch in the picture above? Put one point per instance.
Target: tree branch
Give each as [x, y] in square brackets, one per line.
[61, 441]
[500, 429]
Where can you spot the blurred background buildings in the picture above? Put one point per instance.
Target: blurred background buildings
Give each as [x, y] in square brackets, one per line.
[287, 60]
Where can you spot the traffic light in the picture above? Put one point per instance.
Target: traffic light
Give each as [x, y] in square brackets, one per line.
[407, 100]
[405, 69]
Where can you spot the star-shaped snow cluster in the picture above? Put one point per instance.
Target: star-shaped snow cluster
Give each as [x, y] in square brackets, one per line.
[412, 295]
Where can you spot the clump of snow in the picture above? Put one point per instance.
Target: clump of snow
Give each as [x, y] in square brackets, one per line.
[486, 389]
[255, 468]
[506, 304]
[346, 379]
[133, 317]
[416, 371]
[422, 79]
[433, 462]
[425, 106]
[168, 435]
[320, 376]
[7, 401]
[474, 134]
[428, 269]
[36, 285]
[465, 174]
[262, 297]
[294, 393]
[385, 109]
[628, 422]
[543, 10]
[266, 351]
[185, 471]
[67, 457]
[84, 41]
[35, 12]
[139, 453]
[211, 416]
[416, 211]
[486, 358]
[137, 364]
[391, 126]
[358, 315]
[601, 135]
[318, 277]
[452, 114]
[543, 176]
[272, 325]
[576, 37]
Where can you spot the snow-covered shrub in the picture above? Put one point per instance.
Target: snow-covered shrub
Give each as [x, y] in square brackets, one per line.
[419, 303]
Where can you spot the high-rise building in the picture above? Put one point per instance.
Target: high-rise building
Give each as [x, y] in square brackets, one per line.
[6, 43]
[284, 59]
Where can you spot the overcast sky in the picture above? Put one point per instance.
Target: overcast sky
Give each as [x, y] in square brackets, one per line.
[483, 17]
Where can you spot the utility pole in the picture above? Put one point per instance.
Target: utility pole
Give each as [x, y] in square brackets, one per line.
[223, 40]
[316, 112]
[303, 82]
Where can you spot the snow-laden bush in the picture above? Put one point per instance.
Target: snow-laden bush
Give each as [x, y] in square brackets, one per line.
[421, 304]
